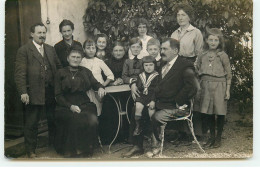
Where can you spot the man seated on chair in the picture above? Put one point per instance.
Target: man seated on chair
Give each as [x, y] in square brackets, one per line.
[177, 85]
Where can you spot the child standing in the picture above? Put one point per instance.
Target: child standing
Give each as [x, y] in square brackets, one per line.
[153, 48]
[96, 66]
[101, 42]
[214, 70]
[146, 83]
[133, 66]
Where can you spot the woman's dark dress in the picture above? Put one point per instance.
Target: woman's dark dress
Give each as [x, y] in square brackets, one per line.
[116, 66]
[75, 131]
[62, 49]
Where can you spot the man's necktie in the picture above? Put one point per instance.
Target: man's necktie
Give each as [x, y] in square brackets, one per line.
[41, 51]
[135, 62]
[166, 69]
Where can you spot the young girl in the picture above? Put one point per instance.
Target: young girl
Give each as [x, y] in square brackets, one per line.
[101, 42]
[96, 66]
[146, 83]
[132, 66]
[214, 70]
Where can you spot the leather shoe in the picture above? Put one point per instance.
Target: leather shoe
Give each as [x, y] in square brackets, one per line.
[134, 151]
[153, 153]
[31, 155]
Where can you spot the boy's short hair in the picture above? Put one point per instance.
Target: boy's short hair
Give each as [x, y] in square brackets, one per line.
[134, 41]
[148, 59]
[174, 44]
[153, 41]
[89, 42]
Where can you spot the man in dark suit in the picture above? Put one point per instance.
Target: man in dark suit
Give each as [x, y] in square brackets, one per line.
[35, 67]
[177, 85]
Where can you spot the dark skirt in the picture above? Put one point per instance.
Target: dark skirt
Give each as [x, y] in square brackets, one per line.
[76, 131]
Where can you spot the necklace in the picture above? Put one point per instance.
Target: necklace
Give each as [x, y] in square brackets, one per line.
[73, 75]
[211, 57]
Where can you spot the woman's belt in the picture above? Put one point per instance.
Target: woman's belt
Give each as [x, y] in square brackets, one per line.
[213, 78]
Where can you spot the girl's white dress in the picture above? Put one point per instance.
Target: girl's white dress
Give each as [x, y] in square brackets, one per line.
[97, 65]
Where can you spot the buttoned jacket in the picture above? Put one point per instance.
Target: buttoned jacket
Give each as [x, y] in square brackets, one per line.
[30, 71]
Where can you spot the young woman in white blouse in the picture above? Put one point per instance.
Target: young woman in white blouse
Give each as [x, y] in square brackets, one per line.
[96, 65]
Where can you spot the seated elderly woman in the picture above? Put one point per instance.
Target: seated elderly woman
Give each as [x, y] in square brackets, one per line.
[75, 116]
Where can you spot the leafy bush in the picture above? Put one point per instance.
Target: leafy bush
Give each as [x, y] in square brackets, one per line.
[117, 18]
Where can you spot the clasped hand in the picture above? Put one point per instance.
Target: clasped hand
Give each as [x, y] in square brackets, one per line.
[75, 108]
[25, 98]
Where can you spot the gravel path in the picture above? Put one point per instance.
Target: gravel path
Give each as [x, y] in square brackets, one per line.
[237, 142]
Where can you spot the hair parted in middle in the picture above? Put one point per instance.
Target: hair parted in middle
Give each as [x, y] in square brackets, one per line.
[216, 32]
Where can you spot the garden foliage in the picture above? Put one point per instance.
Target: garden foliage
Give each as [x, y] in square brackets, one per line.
[117, 19]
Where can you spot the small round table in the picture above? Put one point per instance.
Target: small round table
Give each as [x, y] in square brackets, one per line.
[116, 89]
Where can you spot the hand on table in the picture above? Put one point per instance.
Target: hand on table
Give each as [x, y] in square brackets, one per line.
[101, 92]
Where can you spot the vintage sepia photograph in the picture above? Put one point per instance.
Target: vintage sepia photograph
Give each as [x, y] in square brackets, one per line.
[128, 80]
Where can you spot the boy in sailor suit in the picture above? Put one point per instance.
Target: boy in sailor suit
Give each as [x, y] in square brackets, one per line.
[146, 82]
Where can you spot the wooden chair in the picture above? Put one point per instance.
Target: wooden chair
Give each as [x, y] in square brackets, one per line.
[187, 118]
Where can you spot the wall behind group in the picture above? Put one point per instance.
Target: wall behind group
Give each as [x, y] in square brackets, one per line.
[56, 11]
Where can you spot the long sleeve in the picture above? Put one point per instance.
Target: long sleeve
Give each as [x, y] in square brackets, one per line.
[154, 83]
[94, 83]
[198, 42]
[57, 60]
[226, 64]
[189, 88]
[125, 73]
[20, 74]
[197, 64]
[109, 74]
[60, 99]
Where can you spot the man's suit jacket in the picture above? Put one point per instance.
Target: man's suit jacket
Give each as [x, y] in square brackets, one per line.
[30, 71]
[177, 86]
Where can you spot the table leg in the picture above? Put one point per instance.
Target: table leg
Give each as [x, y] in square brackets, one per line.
[127, 116]
[119, 121]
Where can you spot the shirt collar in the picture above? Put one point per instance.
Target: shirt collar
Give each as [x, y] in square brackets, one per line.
[173, 60]
[158, 57]
[37, 45]
[190, 28]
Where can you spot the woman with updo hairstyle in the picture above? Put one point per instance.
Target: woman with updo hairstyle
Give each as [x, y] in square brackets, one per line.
[75, 116]
[190, 37]
[143, 27]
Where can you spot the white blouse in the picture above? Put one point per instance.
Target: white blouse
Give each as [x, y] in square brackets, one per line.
[97, 65]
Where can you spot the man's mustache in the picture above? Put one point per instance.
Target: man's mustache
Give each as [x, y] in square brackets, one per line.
[42, 37]
[162, 54]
